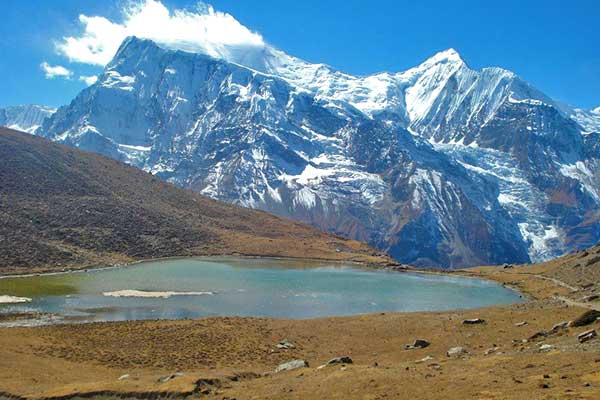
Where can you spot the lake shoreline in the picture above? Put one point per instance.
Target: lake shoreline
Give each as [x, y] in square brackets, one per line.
[420, 293]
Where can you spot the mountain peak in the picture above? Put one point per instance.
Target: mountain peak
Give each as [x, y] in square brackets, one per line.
[447, 56]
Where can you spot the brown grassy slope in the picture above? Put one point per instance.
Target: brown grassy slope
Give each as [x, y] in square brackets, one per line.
[64, 208]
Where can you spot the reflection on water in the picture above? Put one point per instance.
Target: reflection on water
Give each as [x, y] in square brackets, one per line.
[244, 287]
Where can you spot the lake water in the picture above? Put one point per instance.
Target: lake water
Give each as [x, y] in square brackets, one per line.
[192, 288]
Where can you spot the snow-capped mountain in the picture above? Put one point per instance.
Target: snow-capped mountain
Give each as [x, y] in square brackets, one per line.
[440, 165]
[25, 118]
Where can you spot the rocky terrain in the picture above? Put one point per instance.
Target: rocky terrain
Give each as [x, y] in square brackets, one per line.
[63, 208]
[440, 165]
[542, 349]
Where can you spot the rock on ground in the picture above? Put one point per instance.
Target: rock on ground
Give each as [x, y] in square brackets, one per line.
[456, 352]
[340, 360]
[291, 365]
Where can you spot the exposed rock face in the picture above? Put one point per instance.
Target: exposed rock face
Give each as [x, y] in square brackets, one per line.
[439, 165]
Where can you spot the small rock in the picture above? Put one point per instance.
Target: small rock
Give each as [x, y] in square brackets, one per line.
[473, 321]
[586, 318]
[520, 324]
[285, 344]
[456, 352]
[422, 360]
[507, 266]
[123, 377]
[418, 344]
[490, 351]
[544, 386]
[340, 360]
[546, 347]
[167, 378]
[546, 376]
[587, 285]
[538, 335]
[587, 384]
[560, 326]
[586, 336]
[291, 365]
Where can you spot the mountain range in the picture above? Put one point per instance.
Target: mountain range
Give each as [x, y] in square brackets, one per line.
[440, 165]
[26, 118]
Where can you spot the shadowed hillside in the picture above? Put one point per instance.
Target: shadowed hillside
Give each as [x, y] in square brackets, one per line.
[66, 208]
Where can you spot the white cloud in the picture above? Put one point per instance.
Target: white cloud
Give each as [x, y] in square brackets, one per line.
[52, 72]
[88, 79]
[203, 30]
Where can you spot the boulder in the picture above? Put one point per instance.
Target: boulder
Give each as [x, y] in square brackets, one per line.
[456, 352]
[418, 344]
[586, 336]
[586, 318]
[473, 321]
[340, 360]
[291, 365]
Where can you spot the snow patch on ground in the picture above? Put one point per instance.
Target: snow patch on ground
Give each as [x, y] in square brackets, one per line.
[4, 299]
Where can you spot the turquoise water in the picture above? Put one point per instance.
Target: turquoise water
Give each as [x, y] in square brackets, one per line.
[245, 287]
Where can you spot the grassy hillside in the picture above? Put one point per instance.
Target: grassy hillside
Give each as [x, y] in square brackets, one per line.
[66, 208]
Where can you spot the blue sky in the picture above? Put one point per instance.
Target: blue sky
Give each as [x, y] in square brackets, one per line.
[555, 45]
